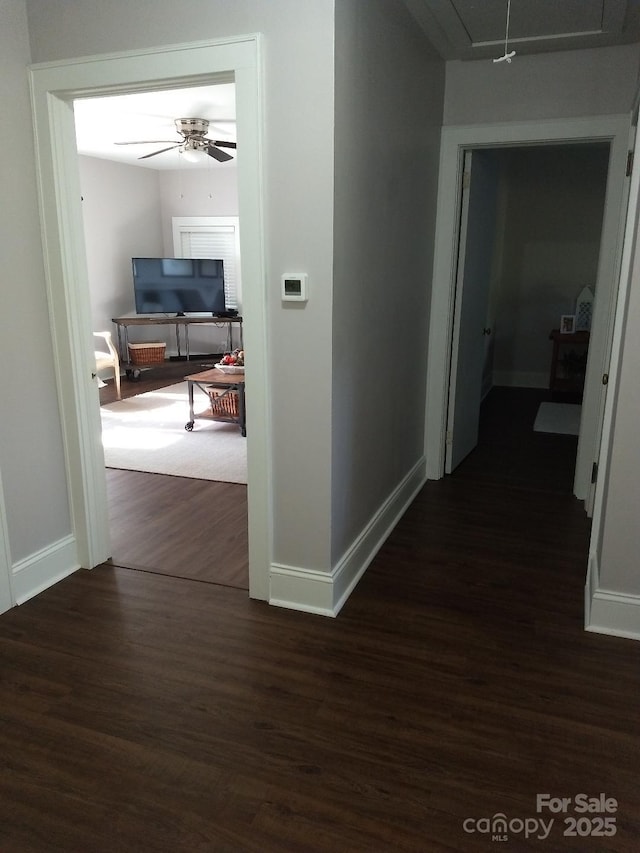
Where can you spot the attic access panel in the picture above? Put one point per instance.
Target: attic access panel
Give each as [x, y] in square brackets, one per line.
[484, 21]
[474, 29]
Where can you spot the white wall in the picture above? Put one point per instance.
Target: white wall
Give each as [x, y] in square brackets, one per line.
[549, 247]
[212, 191]
[127, 212]
[566, 84]
[122, 220]
[208, 192]
[298, 202]
[31, 451]
[389, 96]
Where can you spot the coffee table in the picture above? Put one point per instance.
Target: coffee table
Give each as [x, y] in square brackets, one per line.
[227, 384]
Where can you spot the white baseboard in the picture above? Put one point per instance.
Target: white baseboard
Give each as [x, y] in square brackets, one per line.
[44, 568]
[325, 593]
[309, 590]
[520, 379]
[610, 613]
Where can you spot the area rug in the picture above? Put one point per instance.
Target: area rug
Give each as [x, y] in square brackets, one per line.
[561, 418]
[146, 433]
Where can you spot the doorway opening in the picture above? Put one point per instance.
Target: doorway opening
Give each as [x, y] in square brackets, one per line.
[531, 223]
[167, 513]
[55, 87]
[616, 132]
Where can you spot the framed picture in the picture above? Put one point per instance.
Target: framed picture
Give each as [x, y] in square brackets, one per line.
[567, 324]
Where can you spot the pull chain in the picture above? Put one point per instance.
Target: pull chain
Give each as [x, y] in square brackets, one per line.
[507, 56]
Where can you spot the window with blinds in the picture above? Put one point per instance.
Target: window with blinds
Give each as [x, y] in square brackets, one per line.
[212, 237]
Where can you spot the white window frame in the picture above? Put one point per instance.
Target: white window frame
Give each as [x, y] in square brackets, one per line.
[209, 225]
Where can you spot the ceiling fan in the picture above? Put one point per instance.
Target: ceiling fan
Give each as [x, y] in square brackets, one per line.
[194, 141]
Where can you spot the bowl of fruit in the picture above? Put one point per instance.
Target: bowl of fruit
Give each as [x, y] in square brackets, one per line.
[232, 362]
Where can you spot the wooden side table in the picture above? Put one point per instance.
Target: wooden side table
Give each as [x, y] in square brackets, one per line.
[568, 361]
[227, 383]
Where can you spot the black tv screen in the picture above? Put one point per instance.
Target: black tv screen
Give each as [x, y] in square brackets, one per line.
[178, 285]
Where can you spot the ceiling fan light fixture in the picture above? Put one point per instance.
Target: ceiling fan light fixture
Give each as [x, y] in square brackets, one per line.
[194, 146]
[191, 152]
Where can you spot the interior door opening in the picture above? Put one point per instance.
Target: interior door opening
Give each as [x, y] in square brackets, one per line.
[184, 524]
[531, 225]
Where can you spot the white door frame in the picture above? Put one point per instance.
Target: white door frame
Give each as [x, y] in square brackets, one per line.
[613, 129]
[468, 295]
[54, 88]
[629, 265]
[7, 599]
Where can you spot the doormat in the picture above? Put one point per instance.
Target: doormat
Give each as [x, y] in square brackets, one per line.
[561, 418]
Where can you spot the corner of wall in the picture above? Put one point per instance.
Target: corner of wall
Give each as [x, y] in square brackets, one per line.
[325, 593]
[607, 612]
[43, 569]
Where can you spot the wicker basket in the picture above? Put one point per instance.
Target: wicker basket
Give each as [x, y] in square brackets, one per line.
[151, 353]
[224, 402]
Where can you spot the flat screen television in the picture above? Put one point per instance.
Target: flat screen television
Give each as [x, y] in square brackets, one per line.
[178, 286]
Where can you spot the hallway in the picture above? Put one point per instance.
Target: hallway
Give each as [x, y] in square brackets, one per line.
[152, 713]
[510, 453]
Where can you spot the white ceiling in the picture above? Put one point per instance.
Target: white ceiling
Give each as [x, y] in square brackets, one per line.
[101, 122]
[475, 29]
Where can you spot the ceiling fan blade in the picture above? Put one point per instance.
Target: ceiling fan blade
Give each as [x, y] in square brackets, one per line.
[161, 151]
[145, 142]
[221, 144]
[217, 154]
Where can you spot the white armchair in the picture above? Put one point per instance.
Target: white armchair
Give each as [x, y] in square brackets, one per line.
[109, 359]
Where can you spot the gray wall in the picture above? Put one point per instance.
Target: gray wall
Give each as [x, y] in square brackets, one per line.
[31, 452]
[567, 84]
[299, 187]
[298, 202]
[127, 212]
[122, 220]
[389, 96]
[551, 212]
[190, 192]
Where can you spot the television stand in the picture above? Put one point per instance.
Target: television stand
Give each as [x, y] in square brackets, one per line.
[233, 324]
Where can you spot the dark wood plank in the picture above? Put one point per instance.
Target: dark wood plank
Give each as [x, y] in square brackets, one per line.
[187, 528]
[152, 378]
[195, 529]
[146, 712]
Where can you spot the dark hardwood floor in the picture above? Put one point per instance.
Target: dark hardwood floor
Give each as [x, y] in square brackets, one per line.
[195, 529]
[151, 378]
[142, 712]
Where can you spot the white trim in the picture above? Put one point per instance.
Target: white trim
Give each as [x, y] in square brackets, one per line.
[357, 558]
[44, 568]
[54, 86]
[520, 379]
[629, 265]
[454, 140]
[611, 613]
[7, 599]
[325, 593]
[297, 588]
